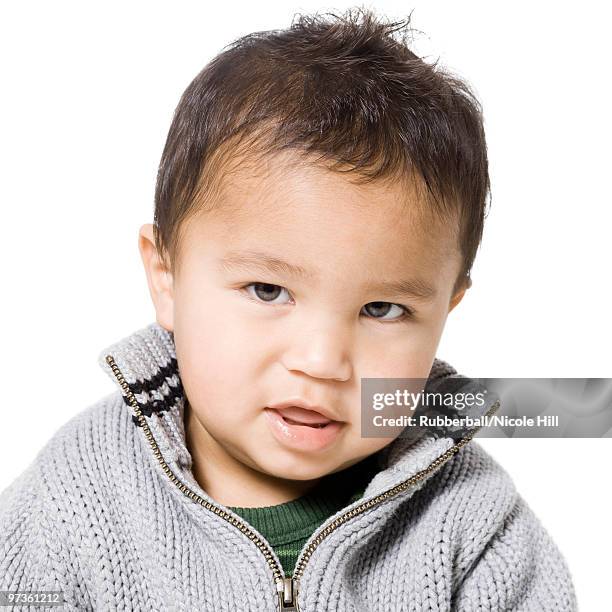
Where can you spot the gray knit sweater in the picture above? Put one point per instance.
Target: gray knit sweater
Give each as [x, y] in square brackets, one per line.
[110, 514]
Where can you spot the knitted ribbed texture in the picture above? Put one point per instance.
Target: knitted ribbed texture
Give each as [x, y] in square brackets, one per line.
[288, 526]
[110, 513]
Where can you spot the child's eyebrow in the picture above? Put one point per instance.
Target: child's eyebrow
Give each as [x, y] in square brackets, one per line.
[415, 288]
[265, 262]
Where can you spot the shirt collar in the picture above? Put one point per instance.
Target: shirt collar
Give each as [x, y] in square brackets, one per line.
[147, 361]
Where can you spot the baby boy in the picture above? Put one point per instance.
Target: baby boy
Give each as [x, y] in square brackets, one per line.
[319, 204]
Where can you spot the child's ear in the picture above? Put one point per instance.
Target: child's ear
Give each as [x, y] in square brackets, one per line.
[458, 296]
[159, 278]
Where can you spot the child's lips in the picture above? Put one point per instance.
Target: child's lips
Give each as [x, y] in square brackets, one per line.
[301, 416]
[302, 436]
[303, 411]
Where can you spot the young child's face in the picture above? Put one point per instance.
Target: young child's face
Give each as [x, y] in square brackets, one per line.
[277, 298]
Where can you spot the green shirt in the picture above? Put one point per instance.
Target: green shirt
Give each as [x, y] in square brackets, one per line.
[288, 526]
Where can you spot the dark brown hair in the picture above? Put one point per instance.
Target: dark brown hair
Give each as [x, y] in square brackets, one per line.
[344, 87]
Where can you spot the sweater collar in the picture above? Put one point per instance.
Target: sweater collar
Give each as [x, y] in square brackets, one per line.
[148, 364]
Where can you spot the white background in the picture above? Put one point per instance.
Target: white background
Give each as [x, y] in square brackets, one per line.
[88, 94]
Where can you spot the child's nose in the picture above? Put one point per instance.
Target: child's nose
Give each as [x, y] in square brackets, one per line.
[321, 352]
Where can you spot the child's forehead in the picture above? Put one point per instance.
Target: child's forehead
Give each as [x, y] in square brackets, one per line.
[315, 217]
[289, 200]
[258, 184]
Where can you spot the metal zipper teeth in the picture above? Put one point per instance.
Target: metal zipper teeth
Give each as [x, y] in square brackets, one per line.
[265, 549]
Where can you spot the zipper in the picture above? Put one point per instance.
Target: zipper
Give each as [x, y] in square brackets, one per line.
[287, 588]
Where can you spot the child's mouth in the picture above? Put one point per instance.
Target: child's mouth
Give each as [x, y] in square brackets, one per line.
[316, 425]
[315, 435]
[294, 415]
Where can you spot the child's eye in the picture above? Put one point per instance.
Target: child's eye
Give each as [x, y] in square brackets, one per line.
[376, 308]
[267, 292]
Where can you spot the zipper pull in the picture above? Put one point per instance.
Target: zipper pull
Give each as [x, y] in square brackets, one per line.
[287, 595]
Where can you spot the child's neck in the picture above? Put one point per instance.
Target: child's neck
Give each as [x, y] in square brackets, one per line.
[231, 482]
